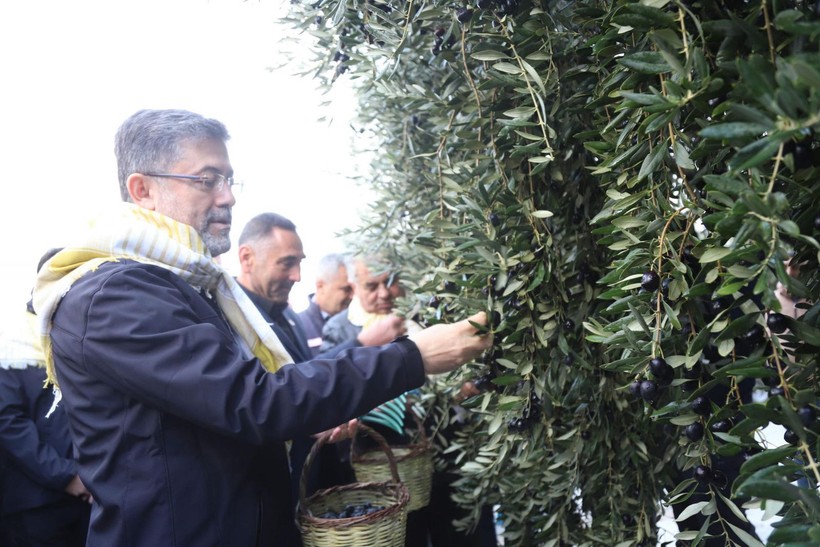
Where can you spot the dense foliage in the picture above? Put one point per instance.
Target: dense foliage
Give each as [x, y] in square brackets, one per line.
[621, 185]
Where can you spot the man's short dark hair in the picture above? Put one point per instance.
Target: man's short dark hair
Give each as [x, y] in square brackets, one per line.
[261, 225]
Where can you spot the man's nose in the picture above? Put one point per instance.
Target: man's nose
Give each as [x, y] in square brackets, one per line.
[224, 197]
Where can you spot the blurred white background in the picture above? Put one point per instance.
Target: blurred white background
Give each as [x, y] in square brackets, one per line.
[73, 71]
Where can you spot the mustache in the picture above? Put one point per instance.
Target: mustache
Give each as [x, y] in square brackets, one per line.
[219, 215]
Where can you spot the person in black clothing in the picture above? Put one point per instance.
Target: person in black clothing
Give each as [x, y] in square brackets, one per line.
[44, 502]
[270, 256]
[176, 389]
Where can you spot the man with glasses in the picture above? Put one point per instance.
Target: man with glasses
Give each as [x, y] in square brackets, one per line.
[178, 393]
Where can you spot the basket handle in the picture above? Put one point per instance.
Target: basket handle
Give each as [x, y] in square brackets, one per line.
[420, 426]
[323, 439]
[423, 439]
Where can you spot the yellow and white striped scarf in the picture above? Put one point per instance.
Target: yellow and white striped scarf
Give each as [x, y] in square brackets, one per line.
[145, 236]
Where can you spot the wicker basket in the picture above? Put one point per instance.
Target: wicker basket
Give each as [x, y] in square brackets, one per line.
[415, 466]
[383, 528]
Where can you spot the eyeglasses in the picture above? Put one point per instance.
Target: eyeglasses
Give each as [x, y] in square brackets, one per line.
[210, 182]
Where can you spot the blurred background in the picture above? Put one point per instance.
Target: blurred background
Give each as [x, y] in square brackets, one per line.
[72, 72]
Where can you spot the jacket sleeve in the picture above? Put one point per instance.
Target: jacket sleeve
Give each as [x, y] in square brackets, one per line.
[20, 440]
[157, 341]
[339, 349]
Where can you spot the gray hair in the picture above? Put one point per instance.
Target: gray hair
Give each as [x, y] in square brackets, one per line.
[329, 265]
[151, 140]
[377, 264]
[260, 226]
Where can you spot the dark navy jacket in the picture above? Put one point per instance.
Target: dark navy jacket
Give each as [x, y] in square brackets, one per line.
[179, 432]
[295, 341]
[326, 469]
[313, 321]
[37, 450]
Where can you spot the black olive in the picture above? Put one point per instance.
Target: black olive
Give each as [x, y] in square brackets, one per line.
[802, 155]
[694, 432]
[650, 281]
[776, 322]
[649, 390]
[661, 370]
[721, 426]
[464, 15]
[703, 474]
[702, 406]
[807, 415]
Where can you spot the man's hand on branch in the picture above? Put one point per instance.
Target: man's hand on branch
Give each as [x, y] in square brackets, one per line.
[446, 347]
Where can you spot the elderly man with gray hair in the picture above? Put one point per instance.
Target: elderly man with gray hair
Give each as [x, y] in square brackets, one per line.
[333, 295]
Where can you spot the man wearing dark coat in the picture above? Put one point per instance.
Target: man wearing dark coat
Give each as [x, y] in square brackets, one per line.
[270, 254]
[43, 501]
[179, 395]
[333, 294]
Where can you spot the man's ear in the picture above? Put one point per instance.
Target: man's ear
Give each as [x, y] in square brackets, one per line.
[142, 191]
[245, 258]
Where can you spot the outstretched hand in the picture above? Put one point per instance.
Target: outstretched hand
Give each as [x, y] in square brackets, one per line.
[446, 347]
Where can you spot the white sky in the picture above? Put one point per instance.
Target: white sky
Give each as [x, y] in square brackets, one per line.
[72, 71]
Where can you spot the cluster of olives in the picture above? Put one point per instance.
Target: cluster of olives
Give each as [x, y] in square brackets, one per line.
[485, 381]
[352, 511]
[513, 305]
[531, 414]
[704, 474]
[649, 390]
[702, 407]
[651, 282]
[341, 58]
[438, 41]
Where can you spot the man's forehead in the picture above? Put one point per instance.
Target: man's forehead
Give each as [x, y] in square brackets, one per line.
[388, 278]
[286, 243]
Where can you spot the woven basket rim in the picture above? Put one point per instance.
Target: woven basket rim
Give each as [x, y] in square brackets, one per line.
[399, 490]
[394, 488]
[378, 456]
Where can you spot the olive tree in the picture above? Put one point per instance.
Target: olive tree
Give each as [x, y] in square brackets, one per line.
[629, 189]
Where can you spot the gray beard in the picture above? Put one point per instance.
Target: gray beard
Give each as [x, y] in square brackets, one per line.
[217, 245]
